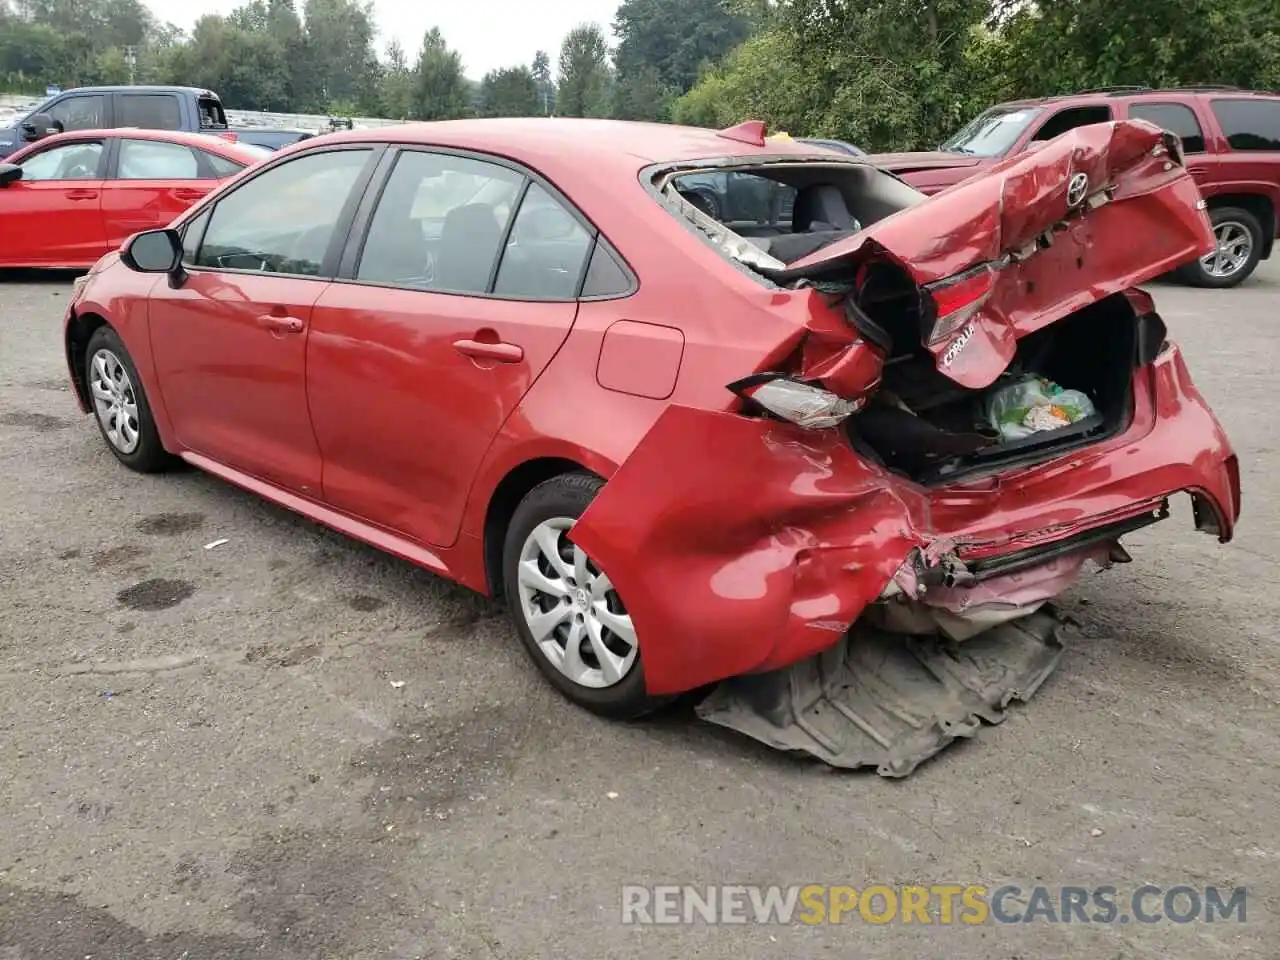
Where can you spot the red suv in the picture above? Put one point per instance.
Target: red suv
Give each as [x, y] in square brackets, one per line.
[1231, 139]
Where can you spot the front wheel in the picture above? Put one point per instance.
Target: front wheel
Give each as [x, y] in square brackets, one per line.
[120, 404]
[570, 618]
[1236, 254]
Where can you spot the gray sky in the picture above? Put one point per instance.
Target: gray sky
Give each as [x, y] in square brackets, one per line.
[488, 33]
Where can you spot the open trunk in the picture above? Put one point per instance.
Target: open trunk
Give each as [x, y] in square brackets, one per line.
[925, 426]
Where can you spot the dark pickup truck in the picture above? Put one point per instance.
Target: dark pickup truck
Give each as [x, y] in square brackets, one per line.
[150, 108]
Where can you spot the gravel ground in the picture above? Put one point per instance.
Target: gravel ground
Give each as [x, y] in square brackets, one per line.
[290, 746]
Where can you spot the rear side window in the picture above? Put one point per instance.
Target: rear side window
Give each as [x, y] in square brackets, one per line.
[149, 111]
[155, 160]
[283, 220]
[221, 166]
[439, 223]
[545, 252]
[87, 112]
[1249, 124]
[1069, 119]
[605, 275]
[211, 114]
[1177, 118]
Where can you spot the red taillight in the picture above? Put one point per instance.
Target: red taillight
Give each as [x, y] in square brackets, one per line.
[958, 298]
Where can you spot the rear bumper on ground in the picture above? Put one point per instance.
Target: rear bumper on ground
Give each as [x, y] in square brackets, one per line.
[741, 545]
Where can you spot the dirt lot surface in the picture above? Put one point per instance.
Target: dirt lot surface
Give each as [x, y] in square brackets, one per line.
[289, 746]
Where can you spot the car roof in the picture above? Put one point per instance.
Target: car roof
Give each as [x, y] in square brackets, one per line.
[563, 141]
[1137, 91]
[209, 142]
[194, 91]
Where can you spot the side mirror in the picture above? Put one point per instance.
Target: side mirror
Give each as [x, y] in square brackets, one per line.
[38, 126]
[9, 172]
[153, 251]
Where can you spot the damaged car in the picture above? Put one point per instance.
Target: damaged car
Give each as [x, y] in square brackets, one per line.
[831, 452]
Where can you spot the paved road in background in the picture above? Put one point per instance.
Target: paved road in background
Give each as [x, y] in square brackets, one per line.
[290, 746]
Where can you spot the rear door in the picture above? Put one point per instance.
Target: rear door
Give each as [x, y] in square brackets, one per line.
[151, 182]
[459, 295]
[52, 216]
[149, 111]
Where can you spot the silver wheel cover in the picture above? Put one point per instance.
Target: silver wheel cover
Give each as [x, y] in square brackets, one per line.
[571, 609]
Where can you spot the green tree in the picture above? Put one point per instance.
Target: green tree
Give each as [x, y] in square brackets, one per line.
[340, 53]
[541, 71]
[674, 38]
[441, 92]
[509, 92]
[585, 87]
[397, 84]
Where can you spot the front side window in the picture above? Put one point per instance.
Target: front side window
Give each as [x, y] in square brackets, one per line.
[71, 161]
[439, 223]
[149, 111]
[1249, 124]
[283, 220]
[88, 112]
[1177, 118]
[545, 252]
[1065, 120]
[156, 160]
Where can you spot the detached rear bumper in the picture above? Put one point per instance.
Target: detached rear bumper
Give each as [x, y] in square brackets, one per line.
[741, 545]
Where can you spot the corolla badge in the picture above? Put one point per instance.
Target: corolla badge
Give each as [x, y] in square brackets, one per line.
[1077, 187]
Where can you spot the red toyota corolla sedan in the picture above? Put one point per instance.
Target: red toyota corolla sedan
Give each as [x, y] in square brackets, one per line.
[68, 199]
[516, 353]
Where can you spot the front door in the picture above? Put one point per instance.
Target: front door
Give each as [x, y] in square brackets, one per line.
[52, 216]
[462, 295]
[230, 343]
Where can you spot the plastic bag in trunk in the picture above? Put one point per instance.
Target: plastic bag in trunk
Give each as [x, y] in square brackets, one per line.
[1034, 404]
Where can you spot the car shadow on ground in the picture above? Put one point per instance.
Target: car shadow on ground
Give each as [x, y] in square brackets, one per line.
[51, 278]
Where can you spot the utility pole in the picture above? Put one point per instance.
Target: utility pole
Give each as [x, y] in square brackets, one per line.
[132, 60]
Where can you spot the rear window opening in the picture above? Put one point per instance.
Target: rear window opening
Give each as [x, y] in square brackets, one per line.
[211, 114]
[768, 214]
[924, 426]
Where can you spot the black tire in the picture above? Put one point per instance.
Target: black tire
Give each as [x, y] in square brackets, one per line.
[1196, 274]
[149, 456]
[568, 496]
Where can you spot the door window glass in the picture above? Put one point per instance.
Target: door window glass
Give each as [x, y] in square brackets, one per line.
[155, 160]
[80, 113]
[545, 252]
[149, 111]
[1178, 119]
[439, 223]
[1250, 124]
[283, 220]
[1065, 120]
[72, 161]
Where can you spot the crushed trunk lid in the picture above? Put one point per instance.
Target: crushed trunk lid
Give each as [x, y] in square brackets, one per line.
[1095, 211]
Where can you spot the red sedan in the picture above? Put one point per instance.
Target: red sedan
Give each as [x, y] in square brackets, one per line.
[68, 199]
[515, 353]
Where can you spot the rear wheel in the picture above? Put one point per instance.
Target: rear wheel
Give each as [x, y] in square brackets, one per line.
[120, 404]
[568, 614]
[1239, 247]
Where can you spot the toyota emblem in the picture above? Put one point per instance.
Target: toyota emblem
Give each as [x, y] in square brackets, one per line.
[1076, 189]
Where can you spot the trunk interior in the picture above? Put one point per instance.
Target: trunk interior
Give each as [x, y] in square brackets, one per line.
[924, 426]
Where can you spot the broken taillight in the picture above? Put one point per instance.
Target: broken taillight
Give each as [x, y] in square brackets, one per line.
[958, 298]
[795, 401]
